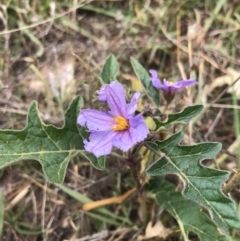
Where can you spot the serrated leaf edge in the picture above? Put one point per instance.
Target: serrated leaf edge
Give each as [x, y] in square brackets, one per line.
[179, 137]
[197, 110]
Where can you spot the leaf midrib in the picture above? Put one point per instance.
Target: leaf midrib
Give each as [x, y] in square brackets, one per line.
[183, 174]
[187, 224]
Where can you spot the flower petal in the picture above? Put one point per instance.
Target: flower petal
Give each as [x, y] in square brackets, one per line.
[185, 83]
[114, 94]
[138, 128]
[123, 140]
[102, 94]
[137, 132]
[167, 86]
[95, 120]
[155, 80]
[132, 106]
[100, 143]
[153, 73]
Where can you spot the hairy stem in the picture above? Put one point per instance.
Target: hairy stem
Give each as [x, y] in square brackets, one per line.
[134, 168]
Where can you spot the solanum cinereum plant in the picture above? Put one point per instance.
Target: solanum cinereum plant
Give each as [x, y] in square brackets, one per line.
[121, 131]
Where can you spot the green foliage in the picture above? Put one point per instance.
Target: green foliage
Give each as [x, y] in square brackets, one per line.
[109, 70]
[98, 163]
[188, 215]
[20, 227]
[144, 77]
[202, 184]
[54, 147]
[181, 117]
[1, 214]
[51, 146]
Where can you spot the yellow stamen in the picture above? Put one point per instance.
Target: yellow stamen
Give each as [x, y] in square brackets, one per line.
[122, 124]
[171, 82]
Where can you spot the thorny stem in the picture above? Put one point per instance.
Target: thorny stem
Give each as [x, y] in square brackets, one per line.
[133, 164]
[232, 183]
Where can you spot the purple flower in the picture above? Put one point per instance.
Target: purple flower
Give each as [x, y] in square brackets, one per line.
[169, 87]
[118, 127]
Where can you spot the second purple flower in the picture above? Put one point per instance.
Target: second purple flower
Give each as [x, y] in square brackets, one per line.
[169, 87]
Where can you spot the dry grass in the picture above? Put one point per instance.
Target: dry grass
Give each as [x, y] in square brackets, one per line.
[52, 51]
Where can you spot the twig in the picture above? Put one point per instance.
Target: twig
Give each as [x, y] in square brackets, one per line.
[119, 156]
[231, 150]
[224, 91]
[211, 128]
[107, 201]
[232, 183]
[95, 237]
[74, 8]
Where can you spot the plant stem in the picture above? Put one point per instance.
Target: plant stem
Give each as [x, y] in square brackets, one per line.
[135, 173]
[119, 156]
[232, 183]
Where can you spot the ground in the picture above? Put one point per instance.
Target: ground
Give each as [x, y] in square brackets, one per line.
[52, 51]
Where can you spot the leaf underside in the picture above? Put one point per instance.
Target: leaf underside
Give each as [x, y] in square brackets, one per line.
[202, 184]
[53, 147]
[188, 215]
[109, 70]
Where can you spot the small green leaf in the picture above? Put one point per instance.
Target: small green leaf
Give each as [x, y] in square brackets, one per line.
[188, 215]
[53, 147]
[202, 184]
[110, 70]
[181, 117]
[144, 77]
[98, 163]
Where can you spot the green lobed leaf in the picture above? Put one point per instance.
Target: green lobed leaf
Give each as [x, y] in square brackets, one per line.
[202, 184]
[181, 117]
[188, 215]
[53, 147]
[109, 70]
[144, 77]
[98, 163]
